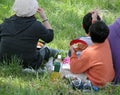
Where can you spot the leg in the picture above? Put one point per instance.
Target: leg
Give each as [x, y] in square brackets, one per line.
[66, 72]
[53, 52]
[46, 53]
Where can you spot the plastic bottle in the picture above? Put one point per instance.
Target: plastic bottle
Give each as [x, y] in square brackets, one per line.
[57, 66]
[58, 63]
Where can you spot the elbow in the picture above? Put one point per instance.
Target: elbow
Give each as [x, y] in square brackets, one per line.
[50, 37]
[49, 40]
[73, 69]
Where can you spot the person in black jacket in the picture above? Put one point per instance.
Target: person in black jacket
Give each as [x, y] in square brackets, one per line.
[20, 34]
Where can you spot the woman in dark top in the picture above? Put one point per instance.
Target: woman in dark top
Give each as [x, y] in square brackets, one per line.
[20, 33]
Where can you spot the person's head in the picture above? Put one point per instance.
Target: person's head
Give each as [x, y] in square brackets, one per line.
[87, 21]
[98, 31]
[25, 8]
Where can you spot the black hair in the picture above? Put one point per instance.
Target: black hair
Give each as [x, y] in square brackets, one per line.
[87, 21]
[99, 31]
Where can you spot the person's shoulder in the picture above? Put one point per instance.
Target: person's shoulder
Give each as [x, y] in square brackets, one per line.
[88, 50]
[37, 23]
[85, 38]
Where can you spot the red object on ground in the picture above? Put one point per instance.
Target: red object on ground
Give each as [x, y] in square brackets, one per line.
[79, 44]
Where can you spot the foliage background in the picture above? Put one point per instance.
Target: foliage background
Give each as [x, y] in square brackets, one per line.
[65, 17]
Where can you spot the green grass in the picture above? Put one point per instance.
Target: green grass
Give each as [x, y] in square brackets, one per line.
[65, 17]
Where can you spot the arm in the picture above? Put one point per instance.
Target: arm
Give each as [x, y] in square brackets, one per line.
[46, 33]
[44, 18]
[78, 65]
[94, 17]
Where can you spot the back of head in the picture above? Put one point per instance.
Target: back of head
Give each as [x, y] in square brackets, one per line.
[99, 31]
[87, 21]
[25, 8]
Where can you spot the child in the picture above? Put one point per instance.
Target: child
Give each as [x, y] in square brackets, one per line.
[86, 23]
[95, 59]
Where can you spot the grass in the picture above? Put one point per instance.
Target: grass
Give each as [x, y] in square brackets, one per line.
[65, 17]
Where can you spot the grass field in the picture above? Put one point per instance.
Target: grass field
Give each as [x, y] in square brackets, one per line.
[65, 17]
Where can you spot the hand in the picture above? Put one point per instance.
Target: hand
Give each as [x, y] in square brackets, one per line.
[95, 11]
[72, 49]
[94, 16]
[42, 14]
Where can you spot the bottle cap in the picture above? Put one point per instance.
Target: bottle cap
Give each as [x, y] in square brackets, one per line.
[59, 56]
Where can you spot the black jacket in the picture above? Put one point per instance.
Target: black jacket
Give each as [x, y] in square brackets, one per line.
[19, 36]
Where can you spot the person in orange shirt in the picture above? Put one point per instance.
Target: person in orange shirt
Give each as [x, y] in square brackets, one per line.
[96, 60]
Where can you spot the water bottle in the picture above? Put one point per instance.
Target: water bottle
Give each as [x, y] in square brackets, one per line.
[57, 63]
[57, 66]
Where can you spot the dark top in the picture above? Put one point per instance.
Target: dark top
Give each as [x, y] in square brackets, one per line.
[19, 36]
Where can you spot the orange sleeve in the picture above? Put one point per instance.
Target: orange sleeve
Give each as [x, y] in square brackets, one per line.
[79, 65]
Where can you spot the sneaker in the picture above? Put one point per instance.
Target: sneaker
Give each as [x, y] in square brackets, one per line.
[77, 84]
[41, 70]
[87, 86]
[95, 88]
[28, 70]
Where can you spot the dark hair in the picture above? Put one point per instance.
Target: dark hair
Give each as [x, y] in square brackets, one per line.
[87, 21]
[99, 31]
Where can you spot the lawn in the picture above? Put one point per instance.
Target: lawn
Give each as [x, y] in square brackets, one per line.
[65, 17]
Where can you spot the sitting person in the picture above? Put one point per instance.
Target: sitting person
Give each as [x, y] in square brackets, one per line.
[114, 45]
[95, 59]
[20, 34]
[86, 23]
[114, 40]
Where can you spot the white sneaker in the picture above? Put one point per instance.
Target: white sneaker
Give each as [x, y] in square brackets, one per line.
[29, 70]
[41, 70]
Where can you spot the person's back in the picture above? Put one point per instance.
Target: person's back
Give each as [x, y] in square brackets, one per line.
[114, 39]
[96, 60]
[86, 23]
[20, 33]
[20, 36]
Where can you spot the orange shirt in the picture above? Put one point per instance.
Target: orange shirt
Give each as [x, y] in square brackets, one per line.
[96, 62]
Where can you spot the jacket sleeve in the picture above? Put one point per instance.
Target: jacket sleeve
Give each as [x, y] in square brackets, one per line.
[79, 65]
[43, 33]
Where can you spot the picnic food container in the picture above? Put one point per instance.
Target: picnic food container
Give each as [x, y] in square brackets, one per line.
[78, 44]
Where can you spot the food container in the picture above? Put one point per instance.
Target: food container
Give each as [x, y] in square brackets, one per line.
[78, 44]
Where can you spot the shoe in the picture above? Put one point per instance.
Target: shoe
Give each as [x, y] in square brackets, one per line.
[87, 86]
[28, 70]
[77, 84]
[40, 70]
